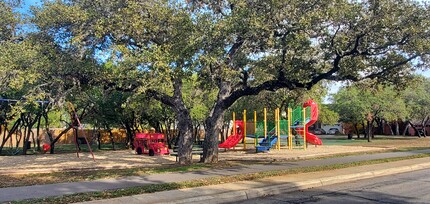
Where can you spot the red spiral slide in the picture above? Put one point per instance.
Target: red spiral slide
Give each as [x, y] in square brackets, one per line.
[311, 138]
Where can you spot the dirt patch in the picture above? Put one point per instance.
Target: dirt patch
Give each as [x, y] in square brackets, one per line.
[122, 159]
[127, 159]
[70, 162]
[297, 153]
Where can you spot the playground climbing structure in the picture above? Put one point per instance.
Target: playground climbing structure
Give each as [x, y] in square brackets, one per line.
[299, 119]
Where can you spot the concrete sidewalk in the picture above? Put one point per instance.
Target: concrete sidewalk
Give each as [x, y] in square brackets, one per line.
[41, 191]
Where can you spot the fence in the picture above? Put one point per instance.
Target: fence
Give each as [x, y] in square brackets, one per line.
[119, 136]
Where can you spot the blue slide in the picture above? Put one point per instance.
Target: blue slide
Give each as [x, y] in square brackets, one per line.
[267, 143]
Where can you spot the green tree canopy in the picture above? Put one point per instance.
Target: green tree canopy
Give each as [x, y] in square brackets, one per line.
[417, 99]
[365, 102]
[239, 47]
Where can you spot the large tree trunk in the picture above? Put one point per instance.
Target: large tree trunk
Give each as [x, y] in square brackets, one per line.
[214, 123]
[185, 123]
[185, 142]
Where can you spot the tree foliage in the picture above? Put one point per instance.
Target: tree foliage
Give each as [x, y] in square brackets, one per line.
[368, 102]
[327, 115]
[417, 99]
[199, 57]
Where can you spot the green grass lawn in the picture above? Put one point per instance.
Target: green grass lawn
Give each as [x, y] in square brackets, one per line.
[340, 141]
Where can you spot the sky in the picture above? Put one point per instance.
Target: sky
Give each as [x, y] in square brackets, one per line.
[333, 87]
[25, 7]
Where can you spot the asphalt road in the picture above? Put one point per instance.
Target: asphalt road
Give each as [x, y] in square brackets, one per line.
[412, 187]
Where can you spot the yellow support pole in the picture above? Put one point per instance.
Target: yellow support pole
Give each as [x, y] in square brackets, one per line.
[279, 128]
[234, 123]
[244, 129]
[276, 127]
[265, 123]
[255, 128]
[290, 136]
[304, 128]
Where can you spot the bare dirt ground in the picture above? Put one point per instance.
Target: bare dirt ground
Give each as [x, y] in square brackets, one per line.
[127, 159]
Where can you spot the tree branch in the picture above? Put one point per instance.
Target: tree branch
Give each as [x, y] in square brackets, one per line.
[334, 36]
[233, 50]
[354, 50]
[377, 74]
[163, 98]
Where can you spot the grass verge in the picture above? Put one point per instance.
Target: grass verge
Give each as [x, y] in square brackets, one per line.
[80, 197]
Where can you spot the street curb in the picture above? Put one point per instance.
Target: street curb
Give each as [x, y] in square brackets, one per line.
[242, 195]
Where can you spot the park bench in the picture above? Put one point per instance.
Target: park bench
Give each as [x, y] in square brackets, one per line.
[197, 150]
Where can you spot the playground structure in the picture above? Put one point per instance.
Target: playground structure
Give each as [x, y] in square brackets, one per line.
[298, 120]
[150, 143]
